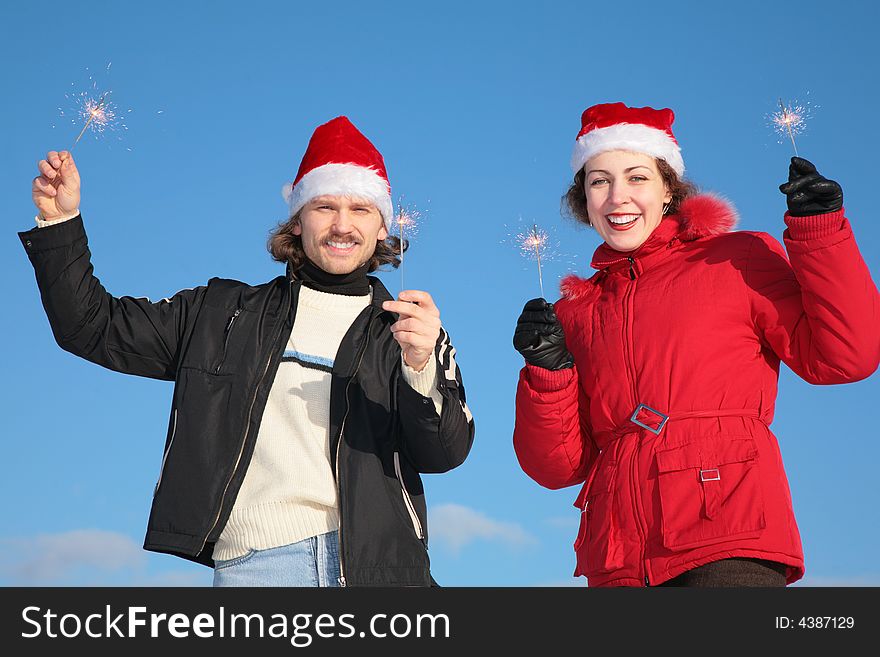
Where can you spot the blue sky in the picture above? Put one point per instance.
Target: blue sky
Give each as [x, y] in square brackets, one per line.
[475, 107]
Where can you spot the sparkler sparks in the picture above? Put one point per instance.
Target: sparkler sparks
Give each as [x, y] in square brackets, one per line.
[533, 244]
[95, 109]
[790, 120]
[100, 113]
[406, 222]
[538, 245]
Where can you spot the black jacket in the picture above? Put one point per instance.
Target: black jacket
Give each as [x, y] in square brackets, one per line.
[221, 344]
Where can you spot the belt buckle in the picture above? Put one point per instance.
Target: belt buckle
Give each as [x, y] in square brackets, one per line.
[634, 419]
[712, 474]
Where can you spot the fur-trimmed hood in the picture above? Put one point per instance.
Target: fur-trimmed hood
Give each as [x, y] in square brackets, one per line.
[701, 215]
[704, 215]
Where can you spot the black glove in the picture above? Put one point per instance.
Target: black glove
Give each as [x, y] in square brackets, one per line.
[539, 337]
[809, 192]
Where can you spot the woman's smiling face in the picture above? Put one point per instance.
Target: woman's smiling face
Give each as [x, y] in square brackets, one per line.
[625, 197]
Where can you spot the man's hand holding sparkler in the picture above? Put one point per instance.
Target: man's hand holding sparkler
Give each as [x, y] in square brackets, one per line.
[808, 192]
[418, 327]
[539, 337]
[56, 190]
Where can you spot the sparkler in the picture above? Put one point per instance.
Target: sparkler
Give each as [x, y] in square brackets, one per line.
[95, 108]
[100, 112]
[540, 245]
[533, 243]
[790, 120]
[407, 220]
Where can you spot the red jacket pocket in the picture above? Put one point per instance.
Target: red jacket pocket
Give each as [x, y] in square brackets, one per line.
[710, 491]
[597, 546]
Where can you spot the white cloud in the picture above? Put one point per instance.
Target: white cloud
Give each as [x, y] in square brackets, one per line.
[49, 559]
[574, 582]
[456, 526]
[830, 580]
[86, 557]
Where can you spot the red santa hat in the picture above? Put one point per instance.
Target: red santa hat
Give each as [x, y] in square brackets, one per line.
[614, 126]
[340, 161]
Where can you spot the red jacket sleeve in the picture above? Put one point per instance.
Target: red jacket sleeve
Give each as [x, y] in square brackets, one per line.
[820, 312]
[552, 436]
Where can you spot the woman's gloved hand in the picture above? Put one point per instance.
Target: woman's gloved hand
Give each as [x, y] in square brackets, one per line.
[808, 192]
[539, 337]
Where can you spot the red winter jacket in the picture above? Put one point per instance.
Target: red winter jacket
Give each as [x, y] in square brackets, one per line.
[693, 325]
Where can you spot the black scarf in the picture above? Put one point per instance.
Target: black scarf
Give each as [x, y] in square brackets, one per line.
[353, 284]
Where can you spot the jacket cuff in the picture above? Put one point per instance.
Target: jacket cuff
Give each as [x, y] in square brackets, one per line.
[544, 380]
[424, 382]
[814, 226]
[44, 223]
[61, 234]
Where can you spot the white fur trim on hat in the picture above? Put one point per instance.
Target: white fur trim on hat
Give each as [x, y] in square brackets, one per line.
[627, 137]
[341, 180]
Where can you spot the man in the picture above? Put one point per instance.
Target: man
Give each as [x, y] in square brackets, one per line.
[305, 408]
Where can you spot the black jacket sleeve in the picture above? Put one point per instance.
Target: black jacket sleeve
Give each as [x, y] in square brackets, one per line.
[432, 443]
[126, 334]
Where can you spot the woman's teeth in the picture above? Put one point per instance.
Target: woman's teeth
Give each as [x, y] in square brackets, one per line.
[621, 219]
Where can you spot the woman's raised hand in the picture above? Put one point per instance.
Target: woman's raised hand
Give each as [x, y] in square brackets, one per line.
[808, 192]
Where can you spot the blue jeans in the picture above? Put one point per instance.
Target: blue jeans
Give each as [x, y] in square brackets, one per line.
[310, 562]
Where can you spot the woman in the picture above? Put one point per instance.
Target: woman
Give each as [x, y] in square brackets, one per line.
[653, 382]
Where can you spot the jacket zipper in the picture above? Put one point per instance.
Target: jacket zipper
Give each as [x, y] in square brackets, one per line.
[637, 505]
[628, 303]
[628, 313]
[357, 367]
[226, 333]
[247, 425]
[165, 455]
[414, 517]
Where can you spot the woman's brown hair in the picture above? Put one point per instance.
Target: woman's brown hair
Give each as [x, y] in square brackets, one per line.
[287, 247]
[575, 199]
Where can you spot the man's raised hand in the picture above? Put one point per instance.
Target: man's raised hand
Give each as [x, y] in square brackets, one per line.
[56, 190]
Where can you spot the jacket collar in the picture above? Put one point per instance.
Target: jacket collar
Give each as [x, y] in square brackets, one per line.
[380, 292]
[611, 260]
[699, 216]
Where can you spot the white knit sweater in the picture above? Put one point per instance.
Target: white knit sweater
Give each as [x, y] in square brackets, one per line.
[289, 489]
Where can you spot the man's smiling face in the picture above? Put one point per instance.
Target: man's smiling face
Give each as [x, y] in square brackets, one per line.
[339, 233]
